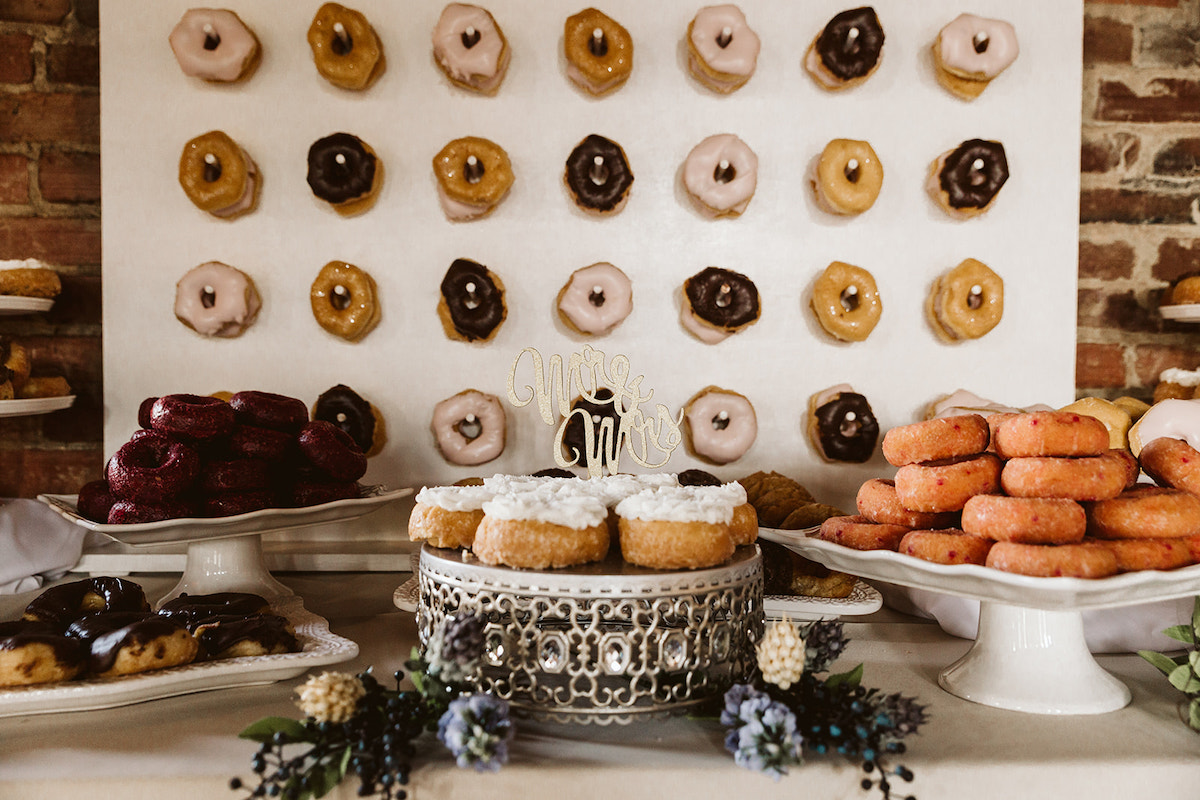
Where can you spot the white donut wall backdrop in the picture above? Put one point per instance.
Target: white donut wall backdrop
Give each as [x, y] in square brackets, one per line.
[538, 236]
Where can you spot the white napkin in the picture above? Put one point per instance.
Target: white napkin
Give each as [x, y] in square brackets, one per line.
[36, 545]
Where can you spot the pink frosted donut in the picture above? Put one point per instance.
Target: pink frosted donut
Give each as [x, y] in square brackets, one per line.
[722, 49]
[720, 425]
[720, 175]
[215, 299]
[596, 299]
[971, 51]
[469, 428]
[215, 45]
[470, 48]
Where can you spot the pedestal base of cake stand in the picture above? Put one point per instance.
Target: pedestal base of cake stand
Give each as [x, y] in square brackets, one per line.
[232, 564]
[1035, 661]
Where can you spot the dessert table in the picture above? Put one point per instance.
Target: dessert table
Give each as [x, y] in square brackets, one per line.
[186, 747]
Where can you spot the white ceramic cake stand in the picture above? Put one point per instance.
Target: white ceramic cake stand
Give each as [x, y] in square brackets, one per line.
[1029, 653]
[225, 554]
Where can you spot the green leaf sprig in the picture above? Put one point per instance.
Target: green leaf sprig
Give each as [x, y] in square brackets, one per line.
[1183, 670]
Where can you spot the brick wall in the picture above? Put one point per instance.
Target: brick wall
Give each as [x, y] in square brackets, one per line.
[1139, 209]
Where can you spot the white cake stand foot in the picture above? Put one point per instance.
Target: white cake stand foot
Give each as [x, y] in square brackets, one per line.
[228, 565]
[1035, 661]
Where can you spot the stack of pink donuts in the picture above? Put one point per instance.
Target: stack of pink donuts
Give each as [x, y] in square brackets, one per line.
[203, 456]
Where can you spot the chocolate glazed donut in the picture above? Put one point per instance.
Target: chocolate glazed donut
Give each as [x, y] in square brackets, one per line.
[973, 173]
[722, 297]
[849, 56]
[602, 185]
[340, 168]
[346, 409]
[574, 437]
[473, 300]
[845, 437]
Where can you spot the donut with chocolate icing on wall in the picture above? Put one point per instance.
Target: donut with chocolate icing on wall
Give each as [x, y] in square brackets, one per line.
[473, 176]
[345, 172]
[722, 48]
[469, 428]
[846, 302]
[847, 51]
[471, 306]
[847, 177]
[470, 48]
[966, 180]
[213, 44]
[965, 303]
[348, 410]
[343, 301]
[598, 175]
[215, 299]
[719, 425]
[577, 441]
[599, 51]
[218, 176]
[345, 48]
[721, 175]
[841, 425]
[718, 303]
[971, 51]
[596, 299]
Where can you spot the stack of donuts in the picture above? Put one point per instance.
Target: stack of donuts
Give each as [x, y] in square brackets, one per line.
[1039, 493]
[103, 628]
[204, 456]
[661, 521]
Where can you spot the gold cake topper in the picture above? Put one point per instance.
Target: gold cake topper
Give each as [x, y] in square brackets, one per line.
[590, 372]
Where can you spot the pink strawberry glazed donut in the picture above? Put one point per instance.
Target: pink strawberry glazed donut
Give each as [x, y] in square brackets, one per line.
[596, 299]
[215, 45]
[721, 175]
[722, 48]
[215, 299]
[470, 48]
[469, 428]
[720, 425]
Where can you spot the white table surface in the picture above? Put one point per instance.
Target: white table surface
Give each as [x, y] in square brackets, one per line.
[186, 747]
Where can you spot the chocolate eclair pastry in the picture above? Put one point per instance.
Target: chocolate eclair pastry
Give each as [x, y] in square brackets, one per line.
[697, 477]
[152, 643]
[94, 625]
[722, 298]
[346, 408]
[850, 45]
[598, 175]
[845, 428]
[342, 170]
[972, 174]
[194, 608]
[33, 652]
[472, 304]
[575, 439]
[61, 605]
[254, 635]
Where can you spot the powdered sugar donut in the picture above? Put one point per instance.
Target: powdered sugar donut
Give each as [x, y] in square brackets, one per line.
[1029, 520]
[934, 439]
[469, 428]
[719, 425]
[215, 299]
[947, 485]
[721, 175]
[596, 299]
[676, 527]
[1083, 478]
[1053, 561]
[722, 48]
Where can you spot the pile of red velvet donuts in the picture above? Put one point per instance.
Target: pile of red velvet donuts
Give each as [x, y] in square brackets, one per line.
[202, 456]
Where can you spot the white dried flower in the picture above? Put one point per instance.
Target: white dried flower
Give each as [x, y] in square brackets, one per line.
[781, 654]
[330, 696]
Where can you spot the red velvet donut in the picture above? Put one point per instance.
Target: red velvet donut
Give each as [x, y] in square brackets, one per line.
[192, 415]
[268, 410]
[314, 493]
[253, 441]
[144, 410]
[331, 450]
[94, 501]
[128, 512]
[238, 475]
[228, 504]
[152, 468]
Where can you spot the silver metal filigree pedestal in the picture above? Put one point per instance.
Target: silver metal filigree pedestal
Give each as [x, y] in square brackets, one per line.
[603, 643]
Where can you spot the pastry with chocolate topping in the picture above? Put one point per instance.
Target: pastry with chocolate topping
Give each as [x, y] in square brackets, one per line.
[598, 175]
[234, 636]
[964, 181]
[847, 51]
[841, 425]
[347, 409]
[472, 303]
[344, 171]
[63, 604]
[576, 436]
[148, 644]
[36, 652]
[717, 303]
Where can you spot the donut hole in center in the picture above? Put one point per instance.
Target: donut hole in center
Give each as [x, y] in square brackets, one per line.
[470, 37]
[341, 417]
[721, 421]
[212, 168]
[339, 298]
[975, 297]
[471, 301]
[980, 42]
[341, 44]
[850, 299]
[598, 173]
[208, 297]
[212, 39]
[724, 172]
[469, 427]
[976, 176]
[724, 296]
[850, 43]
[724, 37]
[598, 44]
[473, 170]
[852, 170]
[596, 296]
[850, 425]
[341, 166]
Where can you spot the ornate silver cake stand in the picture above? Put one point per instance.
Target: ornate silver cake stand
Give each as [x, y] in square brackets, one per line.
[603, 643]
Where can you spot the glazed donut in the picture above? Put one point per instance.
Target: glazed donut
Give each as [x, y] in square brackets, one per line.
[964, 181]
[1145, 512]
[62, 604]
[152, 469]
[966, 302]
[591, 427]
[471, 306]
[345, 48]
[344, 171]
[343, 301]
[129, 512]
[28, 278]
[971, 51]
[599, 51]
[721, 175]
[1116, 419]
[860, 533]
[841, 425]
[948, 546]
[722, 48]
[936, 439]
[231, 504]
[192, 416]
[719, 425]
[595, 299]
[473, 176]
[269, 410]
[1085, 478]
[94, 501]
[469, 428]
[598, 175]
[218, 176]
[331, 450]
[215, 299]
[1174, 419]
[347, 409]
[1053, 561]
[1172, 462]
[718, 303]
[947, 485]
[470, 48]
[34, 653]
[215, 45]
[846, 302]
[542, 529]
[676, 527]
[153, 643]
[877, 501]
[847, 51]
[1029, 520]
[266, 444]
[847, 177]
[236, 475]
[1050, 433]
[246, 636]
[1134, 555]
[448, 516]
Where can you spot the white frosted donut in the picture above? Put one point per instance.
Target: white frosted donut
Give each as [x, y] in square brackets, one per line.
[596, 299]
[721, 425]
[215, 299]
[722, 49]
[469, 428]
[215, 45]
[1176, 419]
[721, 174]
[470, 48]
[976, 47]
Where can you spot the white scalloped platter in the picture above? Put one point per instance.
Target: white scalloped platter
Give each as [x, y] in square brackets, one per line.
[320, 648]
[1187, 312]
[35, 405]
[981, 583]
[11, 304]
[197, 529]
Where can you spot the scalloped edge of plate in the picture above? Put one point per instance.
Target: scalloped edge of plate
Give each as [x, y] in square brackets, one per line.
[18, 304]
[1185, 312]
[35, 405]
